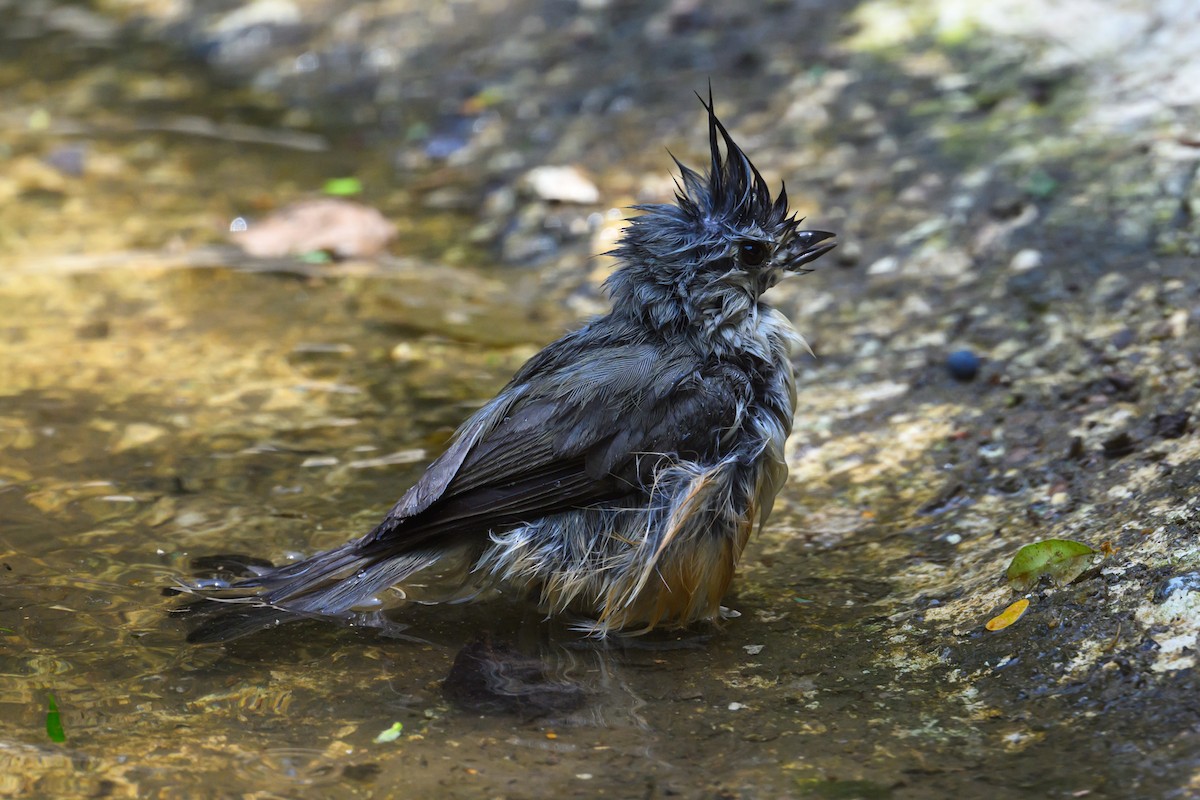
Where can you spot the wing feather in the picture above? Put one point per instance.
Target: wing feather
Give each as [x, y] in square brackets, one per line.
[570, 434]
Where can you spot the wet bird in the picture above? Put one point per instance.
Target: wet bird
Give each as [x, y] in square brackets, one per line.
[620, 473]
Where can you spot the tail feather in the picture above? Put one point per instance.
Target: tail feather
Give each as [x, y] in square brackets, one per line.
[336, 584]
[340, 580]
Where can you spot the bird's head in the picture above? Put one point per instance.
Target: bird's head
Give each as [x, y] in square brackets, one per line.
[723, 232]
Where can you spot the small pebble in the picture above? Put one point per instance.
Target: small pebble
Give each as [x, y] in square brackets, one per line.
[1171, 426]
[319, 461]
[1122, 339]
[1118, 445]
[562, 185]
[69, 159]
[1025, 260]
[442, 146]
[963, 365]
[884, 266]
[1076, 450]
[848, 254]
[97, 329]
[1173, 327]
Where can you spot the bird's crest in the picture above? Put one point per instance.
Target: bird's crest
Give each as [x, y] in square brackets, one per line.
[733, 191]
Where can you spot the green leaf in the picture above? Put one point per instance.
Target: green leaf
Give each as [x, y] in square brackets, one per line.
[342, 187]
[391, 734]
[39, 120]
[54, 728]
[488, 97]
[417, 131]
[1061, 559]
[1040, 184]
[316, 257]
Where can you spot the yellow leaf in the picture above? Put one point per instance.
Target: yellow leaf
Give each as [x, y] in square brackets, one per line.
[1008, 616]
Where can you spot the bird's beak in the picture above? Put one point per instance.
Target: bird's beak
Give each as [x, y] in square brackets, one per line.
[806, 247]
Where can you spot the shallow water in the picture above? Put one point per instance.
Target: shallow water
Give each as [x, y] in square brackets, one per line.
[163, 399]
[165, 412]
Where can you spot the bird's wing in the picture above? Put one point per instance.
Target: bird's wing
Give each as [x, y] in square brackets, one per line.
[568, 433]
[432, 484]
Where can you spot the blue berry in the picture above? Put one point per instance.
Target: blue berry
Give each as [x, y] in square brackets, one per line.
[963, 365]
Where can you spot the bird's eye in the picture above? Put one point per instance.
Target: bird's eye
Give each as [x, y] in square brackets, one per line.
[753, 254]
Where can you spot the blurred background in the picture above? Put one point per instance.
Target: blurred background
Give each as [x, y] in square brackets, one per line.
[258, 259]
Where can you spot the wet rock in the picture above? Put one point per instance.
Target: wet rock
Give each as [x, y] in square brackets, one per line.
[526, 249]
[68, 159]
[562, 185]
[952, 495]
[1171, 426]
[260, 12]
[320, 352]
[1173, 327]
[500, 203]
[1076, 450]
[450, 198]
[492, 678]
[137, 435]
[1116, 386]
[1119, 445]
[1188, 582]
[540, 231]
[848, 254]
[443, 145]
[26, 175]
[1122, 339]
[921, 192]
[884, 266]
[677, 18]
[108, 507]
[1007, 205]
[82, 23]
[1025, 260]
[1037, 287]
[450, 137]
[362, 773]
[95, 329]
[247, 35]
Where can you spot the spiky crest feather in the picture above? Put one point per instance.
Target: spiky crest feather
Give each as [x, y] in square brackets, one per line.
[675, 255]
